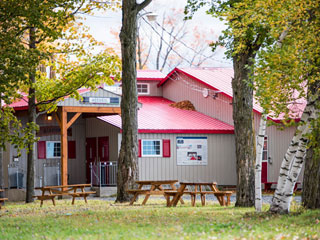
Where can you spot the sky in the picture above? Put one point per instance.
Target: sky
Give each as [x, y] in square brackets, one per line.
[103, 23]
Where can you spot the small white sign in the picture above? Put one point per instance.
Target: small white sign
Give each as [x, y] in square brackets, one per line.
[99, 100]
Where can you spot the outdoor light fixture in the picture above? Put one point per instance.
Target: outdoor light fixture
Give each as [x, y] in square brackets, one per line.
[49, 116]
[152, 16]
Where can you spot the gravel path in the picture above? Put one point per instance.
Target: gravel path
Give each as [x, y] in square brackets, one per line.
[265, 198]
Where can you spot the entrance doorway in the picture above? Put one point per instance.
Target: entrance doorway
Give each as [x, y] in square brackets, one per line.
[97, 151]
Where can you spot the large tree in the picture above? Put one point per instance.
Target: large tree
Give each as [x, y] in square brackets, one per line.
[45, 32]
[128, 156]
[244, 36]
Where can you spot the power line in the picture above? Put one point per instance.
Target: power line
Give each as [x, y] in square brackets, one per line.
[184, 44]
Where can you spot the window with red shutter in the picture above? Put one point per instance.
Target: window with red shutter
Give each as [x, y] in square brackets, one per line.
[139, 148]
[166, 148]
[41, 149]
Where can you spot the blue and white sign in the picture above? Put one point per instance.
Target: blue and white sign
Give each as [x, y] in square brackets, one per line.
[192, 151]
[101, 100]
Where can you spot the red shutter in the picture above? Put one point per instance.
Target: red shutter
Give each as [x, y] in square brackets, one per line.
[166, 148]
[71, 149]
[41, 149]
[139, 148]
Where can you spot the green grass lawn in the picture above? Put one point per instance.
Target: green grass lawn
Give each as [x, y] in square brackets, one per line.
[106, 220]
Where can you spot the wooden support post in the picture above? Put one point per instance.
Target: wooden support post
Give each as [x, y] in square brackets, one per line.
[64, 148]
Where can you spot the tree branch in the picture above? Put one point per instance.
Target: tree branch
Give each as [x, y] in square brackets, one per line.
[143, 5]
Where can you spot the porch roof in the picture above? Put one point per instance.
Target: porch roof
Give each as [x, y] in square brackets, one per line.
[156, 116]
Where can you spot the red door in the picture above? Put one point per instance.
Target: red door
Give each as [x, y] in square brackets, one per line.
[264, 172]
[103, 149]
[103, 153]
[91, 155]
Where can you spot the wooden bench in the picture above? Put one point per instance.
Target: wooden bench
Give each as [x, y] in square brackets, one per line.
[194, 188]
[220, 196]
[80, 194]
[47, 197]
[50, 192]
[155, 187]
[2, 199]
[267, 186]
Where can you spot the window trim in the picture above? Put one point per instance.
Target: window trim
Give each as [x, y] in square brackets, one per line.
[267, 150]
[161, 148]
[148, 88]
[52, 157]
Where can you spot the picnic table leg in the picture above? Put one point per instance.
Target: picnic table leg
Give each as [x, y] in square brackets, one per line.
[167, 196]
[176, 198]
[228, 199]
[223, 201]
[174, 188]
[220, 198]
[135, 195]
[193, 199]
[153, 187]
[134, 198]
[203, 199]
[53, 201]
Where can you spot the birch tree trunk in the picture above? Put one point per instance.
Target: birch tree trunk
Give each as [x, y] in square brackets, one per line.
[258, 166]
[292, 162]
[128, 157]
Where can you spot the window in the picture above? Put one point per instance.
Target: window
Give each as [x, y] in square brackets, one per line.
[143, 88]
[152, 148]
[53, 149]
[265, 149]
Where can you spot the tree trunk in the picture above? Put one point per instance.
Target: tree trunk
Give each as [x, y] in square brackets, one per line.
[311, 177]
[311, 180]
[260, 143]
[243, 129]
[31, 119]
[288, 159]
[1, 165]
[128, 158]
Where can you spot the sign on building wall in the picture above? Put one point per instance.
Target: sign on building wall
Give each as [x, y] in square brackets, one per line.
[101, 100]
[192, 151]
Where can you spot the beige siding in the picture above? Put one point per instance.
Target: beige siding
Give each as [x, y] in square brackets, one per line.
[76, 167]
[98, 128]
[221, 161]
[278, 143]
[153, 89]
[185, 88]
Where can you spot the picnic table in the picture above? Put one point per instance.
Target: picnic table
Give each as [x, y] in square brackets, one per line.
[154, 187]
[2, 199]
[75, 190]
[200, 188]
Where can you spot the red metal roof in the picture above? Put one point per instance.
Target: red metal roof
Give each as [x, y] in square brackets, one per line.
[156, 116]
[22, 103]
[150, 75]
